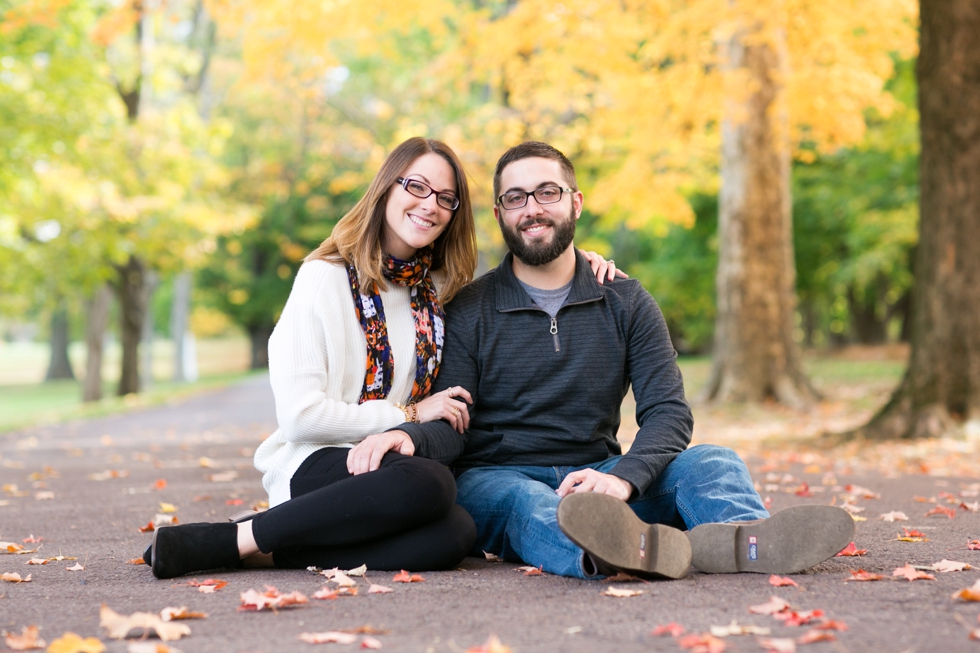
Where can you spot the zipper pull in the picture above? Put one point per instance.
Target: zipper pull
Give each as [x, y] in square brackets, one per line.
[554, 333]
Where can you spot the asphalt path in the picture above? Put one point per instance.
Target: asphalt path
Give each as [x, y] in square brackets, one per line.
[188, 444]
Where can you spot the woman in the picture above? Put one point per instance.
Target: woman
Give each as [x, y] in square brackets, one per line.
[371, 287]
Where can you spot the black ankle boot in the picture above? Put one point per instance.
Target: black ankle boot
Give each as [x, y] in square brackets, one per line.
[183, 549]
[148, 555]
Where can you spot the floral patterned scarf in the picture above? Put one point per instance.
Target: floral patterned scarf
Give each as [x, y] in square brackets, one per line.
[429, 326]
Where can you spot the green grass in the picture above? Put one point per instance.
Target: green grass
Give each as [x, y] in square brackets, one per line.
[57, 401]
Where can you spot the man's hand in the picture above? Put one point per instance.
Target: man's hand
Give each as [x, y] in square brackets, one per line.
[589, 480]
[367, 455]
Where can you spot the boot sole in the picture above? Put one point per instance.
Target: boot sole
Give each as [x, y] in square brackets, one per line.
[609, 530]
[791, 540]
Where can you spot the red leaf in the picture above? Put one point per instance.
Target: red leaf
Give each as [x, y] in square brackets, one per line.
[911, 573]
[794, 618]
[851, 550]
[783, 581]
[942, 510]
[815, 635]
[234, 502]
[862, 575]
[830, 624]
[973, 545]
[148, 528]
[673, 629]
[160, 484]
[703, 643]
[405, 577]
[913, 533]
[804, 490]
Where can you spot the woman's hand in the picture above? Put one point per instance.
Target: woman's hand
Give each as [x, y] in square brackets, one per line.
[447, 405]
[367, 455]
[601, 268]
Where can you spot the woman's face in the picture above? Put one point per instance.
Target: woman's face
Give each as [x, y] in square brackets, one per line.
[413, 222]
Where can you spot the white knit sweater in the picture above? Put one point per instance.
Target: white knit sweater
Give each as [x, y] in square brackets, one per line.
[317, 356]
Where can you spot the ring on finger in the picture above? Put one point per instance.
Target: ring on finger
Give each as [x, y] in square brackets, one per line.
[451, 392]
[455, 411]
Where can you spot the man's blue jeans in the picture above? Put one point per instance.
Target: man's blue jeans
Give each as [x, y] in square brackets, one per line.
[515, 507]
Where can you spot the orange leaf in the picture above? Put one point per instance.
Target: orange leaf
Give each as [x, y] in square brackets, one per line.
[405, 577]
[325, 594]
[37, 561]
[774, 605]
[27, 640]
[777, 644]
[370, 643]
[136, 561]
[794, 618]
[234, 502]
[911, 573]
[851, 550]
[862, 575]
[703, 643]
[969, 594]
[271, 599]
[174, 614]
[161, 483]
[942, 510]
[216, 583]
[973, 545]
[783, 581]
[924, 500]
[673, 629]
[492, 645]
[531, 571]
[830, 624]
[148, 528]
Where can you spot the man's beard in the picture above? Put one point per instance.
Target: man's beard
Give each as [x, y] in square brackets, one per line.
[539, 253]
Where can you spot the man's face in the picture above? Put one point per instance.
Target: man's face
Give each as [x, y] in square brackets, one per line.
[536, 233]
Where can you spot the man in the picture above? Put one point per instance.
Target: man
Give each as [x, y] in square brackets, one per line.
[548, 354]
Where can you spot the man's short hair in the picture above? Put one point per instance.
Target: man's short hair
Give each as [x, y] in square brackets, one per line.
[529, 150]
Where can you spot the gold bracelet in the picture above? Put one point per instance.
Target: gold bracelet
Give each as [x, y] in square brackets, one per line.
[405, 412]
[415, 413]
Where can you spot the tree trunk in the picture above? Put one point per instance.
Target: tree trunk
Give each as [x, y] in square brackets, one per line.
[259, 335]
[941, 388]
[179, 314]
[59, 367]
[96, 315]
[132, 311]
[867, 327]
[151, 280]
[755, 355]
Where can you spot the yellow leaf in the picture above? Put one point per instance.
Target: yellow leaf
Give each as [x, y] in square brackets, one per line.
[72, 643]
[167, 507]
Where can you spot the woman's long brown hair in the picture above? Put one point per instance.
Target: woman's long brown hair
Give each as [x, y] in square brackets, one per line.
[358, 236]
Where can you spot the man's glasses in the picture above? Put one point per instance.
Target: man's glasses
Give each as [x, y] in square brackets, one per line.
[423, 190]
[516, 199]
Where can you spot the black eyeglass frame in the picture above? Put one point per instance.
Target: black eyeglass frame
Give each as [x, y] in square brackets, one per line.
[561, 193]
[405, 181]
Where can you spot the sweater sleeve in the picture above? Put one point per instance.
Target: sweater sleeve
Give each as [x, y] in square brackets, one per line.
[299, 366]
[438, 440]
[662, 413]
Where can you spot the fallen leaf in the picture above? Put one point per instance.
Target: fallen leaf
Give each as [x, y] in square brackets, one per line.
[972, 507]
[774, 605]
[624, 578]
[343, 580]
[621, 593]
[15, 578]
[703, 643]
[76, 567]
[913, 536]
[136, 561]
[924, 500]
[205, 462]
[969, 594]
[379, 589]
[329, 637]
[673, 629]
[911, 573]
[945, 566]
[44, 496]
[942, 510]
[492, 645]
[803, 490]
[160, 484]
[346, 591]
[234, 502]
[72, 643]
[119, 626]
[223, 477]
[325, 594]
[173, 614]
[895, 515]
[862, 492]
[366, 629]
[60, 559]
[531, 571]
[10, 547]
[735, 629]
[370, 643]
[798, 618]
[149, 647]
[767, 503]
[405, 577]
[830, 624]
[109, 473]
[492, 558]
[777, 644]
[357, 571]
[851, 508]
[783, 581]
[214, 583]
[148, 528]
[862, 575]
[161, 519]
[851, 550]
[32, 540]
[272, 599]
[973, 545]
[28, 639]
[37, 561]
[167, 508]
[811, 636]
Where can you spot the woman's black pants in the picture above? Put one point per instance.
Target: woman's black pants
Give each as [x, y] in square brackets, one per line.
[401, 516]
